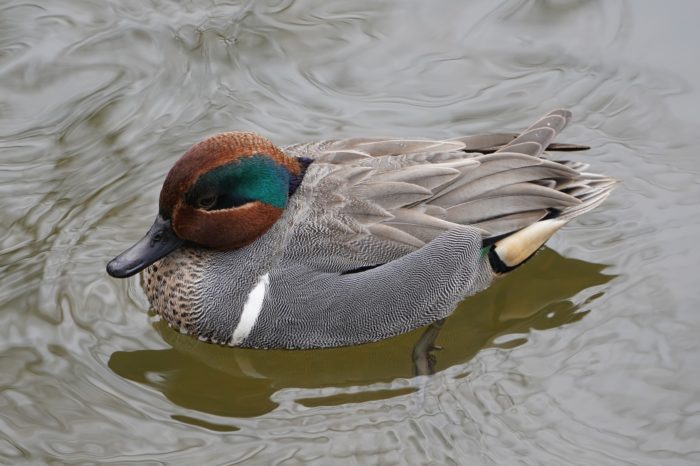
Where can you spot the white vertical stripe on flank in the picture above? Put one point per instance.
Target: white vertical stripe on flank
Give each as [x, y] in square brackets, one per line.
[251, 310]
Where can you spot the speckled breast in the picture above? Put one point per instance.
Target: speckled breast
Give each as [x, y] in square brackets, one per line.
[172, 287]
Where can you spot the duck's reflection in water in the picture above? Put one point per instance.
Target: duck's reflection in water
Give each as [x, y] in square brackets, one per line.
[546, 293]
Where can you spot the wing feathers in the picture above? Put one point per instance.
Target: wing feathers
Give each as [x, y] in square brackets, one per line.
[541, 132]
[408, 191]
[379, 148]
[390, 233]
[491, 182]
[428, 177]
[509, 200]
[393, 194]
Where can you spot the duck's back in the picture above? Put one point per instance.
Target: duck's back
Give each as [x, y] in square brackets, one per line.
[379, 199]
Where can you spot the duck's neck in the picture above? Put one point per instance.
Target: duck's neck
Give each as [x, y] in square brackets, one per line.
[295, 180]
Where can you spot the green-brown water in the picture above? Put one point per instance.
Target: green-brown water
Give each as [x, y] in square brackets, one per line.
[587, 355]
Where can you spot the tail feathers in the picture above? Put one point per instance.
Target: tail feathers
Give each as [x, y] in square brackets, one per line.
[537, 205]
[596, 191]
[515, 249]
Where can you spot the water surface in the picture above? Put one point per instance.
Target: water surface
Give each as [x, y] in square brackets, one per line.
[587, 355]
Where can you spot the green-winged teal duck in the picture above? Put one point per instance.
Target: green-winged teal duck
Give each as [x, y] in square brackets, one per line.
[347, 241]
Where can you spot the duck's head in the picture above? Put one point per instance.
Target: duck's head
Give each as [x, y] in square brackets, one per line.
[223, 193]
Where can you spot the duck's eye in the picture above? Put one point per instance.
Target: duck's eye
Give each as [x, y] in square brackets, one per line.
[206, 202]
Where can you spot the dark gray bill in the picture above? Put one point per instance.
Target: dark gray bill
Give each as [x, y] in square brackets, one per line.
[158, 242]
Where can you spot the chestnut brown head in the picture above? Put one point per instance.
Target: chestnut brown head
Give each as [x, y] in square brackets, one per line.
[223, 193]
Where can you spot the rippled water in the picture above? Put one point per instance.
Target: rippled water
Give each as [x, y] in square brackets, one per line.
[588, 355]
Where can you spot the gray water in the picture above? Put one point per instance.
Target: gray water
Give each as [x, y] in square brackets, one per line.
[588, 355]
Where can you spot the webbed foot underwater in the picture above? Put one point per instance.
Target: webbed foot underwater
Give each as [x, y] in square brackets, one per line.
[348, 241]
